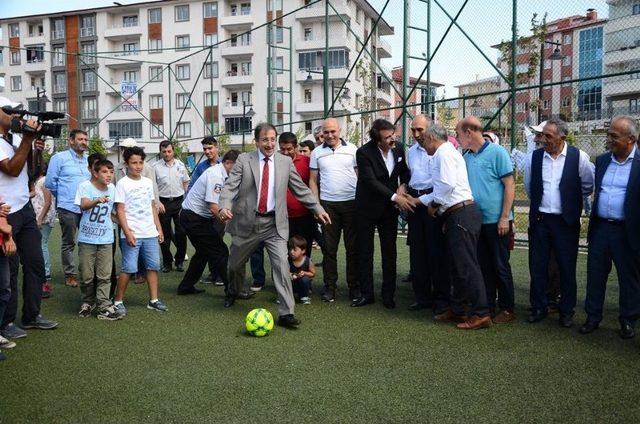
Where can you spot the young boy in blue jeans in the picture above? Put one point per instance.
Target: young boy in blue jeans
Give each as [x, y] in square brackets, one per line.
[301, 268]
[95, 238]
[140, 229]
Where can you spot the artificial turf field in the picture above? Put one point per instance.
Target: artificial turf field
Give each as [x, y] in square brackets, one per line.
[195, 364]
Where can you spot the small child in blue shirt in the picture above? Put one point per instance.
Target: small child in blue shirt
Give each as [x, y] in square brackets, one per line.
[95, 238]
[301, 268]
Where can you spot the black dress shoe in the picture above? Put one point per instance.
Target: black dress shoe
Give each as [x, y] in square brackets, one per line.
[180, 267]
[537, 315]
[288, 321]
[191, 290]
[627, 331]
[165, 269]
[245, 295]
[389, 304]
[589, 327]
[417, 306]
[229, 301]
[362, 301]
[566, 321]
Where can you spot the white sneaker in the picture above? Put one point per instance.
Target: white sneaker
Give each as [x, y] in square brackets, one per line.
[6, 344]
[305, 300]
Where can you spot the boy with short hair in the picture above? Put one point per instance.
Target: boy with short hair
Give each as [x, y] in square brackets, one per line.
[95, 239]
[301, 268]
[140, 229]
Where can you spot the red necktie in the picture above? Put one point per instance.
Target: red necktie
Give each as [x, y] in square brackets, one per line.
[264, 187]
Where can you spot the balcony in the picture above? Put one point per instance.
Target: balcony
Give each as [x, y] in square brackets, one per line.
[229, 50]
[315, 12]
[123, 60]
[36, 38]
[232, 109]
[334, 73]
[626, 54]
[384, 49]
[621, 85]
[237, 79]
[238, 20]
[316, 107]
[317, 43]
[88, 32]
[35, 65]
[120, 31]
[384, 96]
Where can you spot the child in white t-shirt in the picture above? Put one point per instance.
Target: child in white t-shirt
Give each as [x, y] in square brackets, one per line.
[140, 229]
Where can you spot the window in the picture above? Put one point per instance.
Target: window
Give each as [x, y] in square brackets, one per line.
[130, 49]
[545, 104]
[89, 81]
[636, 9]
[278, 4]
[338, 59]
[182, 13]
[547, 64]
[245, 68]
[155, 46]
[358, 15]
[233, 9]
[566, 101]
[307, 95]
[155, 101]
[279, 35]
[88, 51]
[308, 34]
[184, 129]
[59, 82]
[87, 26]
[37, 81]
[236, 125]
[210, 100]
[16, 83]
[566, 61]
[211, 69]
[242, 40]
[155, 73]
[245, 9]
[633, 106]
[211, 40]
[35, 54]
[131, 76]
[280, 64]
[59, 58]
[124, 129]
[155, 16]
[14, 30]
[60, 105]
[313, 60]
[130, 21]
[567, 39]
[89, 108]
[36, 30]
[157, 130]
[182, 101]
[182, 42]
[183, 72]
[210, 10]
[57, 29]
[15, 57]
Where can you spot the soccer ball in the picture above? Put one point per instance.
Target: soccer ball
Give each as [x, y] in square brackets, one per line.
[259, 322]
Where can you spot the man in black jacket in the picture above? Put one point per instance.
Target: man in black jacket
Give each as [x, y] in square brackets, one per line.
[382, 168]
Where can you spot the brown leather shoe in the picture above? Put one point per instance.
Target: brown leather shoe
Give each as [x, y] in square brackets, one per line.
[70, 281]
[504, 317]
[449, 316]
[475, 322]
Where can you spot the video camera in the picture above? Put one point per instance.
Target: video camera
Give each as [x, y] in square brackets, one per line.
[47, 129]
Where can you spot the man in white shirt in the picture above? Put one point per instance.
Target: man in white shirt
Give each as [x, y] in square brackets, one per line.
[557, 177]
[334, 163]
[452, 200]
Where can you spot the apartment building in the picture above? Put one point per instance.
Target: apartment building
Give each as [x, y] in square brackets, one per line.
[419, 96]
[475, 102]
[198, 67]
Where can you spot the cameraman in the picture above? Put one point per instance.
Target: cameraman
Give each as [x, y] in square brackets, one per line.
[15, 191]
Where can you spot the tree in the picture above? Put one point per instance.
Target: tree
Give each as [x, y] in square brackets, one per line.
[97, 145]
[445, 114]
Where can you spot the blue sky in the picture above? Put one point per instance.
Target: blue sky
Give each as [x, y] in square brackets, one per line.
[486, 21]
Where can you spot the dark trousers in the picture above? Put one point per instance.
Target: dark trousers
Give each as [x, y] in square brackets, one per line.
[387, 226]
[256, 263]
[342, 222]
[219, 227]
[493, 255]
[609, 243]
[209, 246]
[461, 233]
[172, 209]
[5, 283]
[552, 232]
[427, 263]
[301, 287]
[69, 222]
[28, 238]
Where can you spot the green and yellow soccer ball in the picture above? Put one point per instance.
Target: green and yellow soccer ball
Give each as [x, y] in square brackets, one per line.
[259, 322]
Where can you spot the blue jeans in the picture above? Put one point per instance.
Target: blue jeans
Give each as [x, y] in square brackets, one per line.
[45, 230]
[147, 248]
[301, 286]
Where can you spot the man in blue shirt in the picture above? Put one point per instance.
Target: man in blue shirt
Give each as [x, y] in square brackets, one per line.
[614, 228]
[210, 149]
[491, 179]
[67, 169]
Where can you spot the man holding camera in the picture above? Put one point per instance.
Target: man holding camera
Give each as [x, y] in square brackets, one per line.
[67, 169]
[15, 191]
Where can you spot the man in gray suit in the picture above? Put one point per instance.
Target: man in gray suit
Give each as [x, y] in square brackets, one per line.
[253, 203]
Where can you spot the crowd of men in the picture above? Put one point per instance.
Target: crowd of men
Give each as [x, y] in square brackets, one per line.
[286, 195]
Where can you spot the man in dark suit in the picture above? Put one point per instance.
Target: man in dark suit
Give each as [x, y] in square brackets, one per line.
[382, 168]
[614, 228]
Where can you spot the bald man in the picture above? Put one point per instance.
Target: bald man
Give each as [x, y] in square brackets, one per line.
[334, 162]
[490, 173]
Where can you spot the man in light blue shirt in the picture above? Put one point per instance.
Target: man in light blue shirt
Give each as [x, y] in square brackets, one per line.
[490, 172]
[67, 169]
[210, 149]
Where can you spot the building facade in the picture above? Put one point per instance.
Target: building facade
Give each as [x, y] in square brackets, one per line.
[196, 67]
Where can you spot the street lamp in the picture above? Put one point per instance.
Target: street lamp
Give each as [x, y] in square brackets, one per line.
[245, 113]
[44, 98]
[556, 55]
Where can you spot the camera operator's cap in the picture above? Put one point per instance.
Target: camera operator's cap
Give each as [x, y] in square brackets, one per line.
[538, 128]
[6, 102]
[128, 142]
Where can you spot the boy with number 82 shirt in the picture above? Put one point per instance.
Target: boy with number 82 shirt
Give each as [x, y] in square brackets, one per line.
[95, 239]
